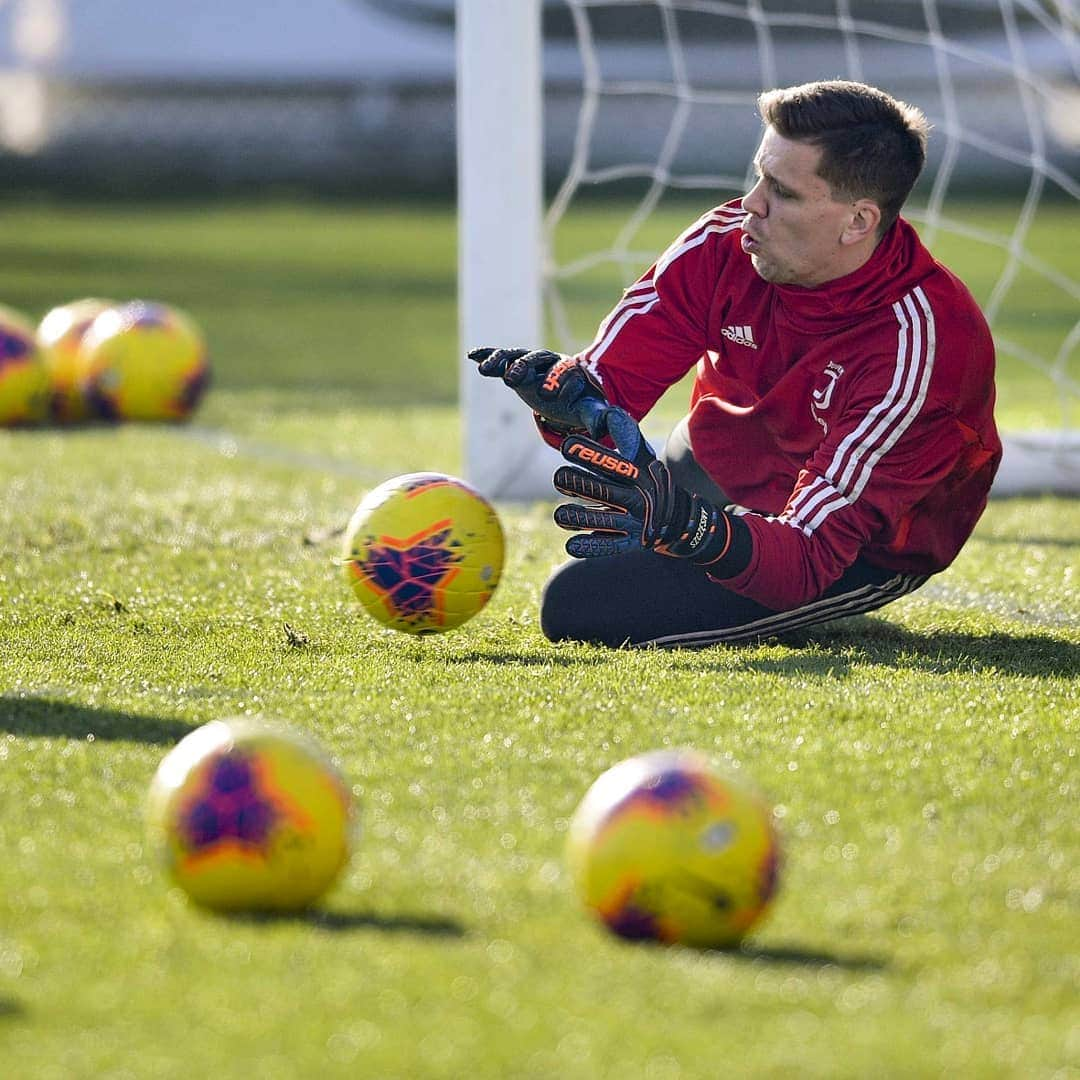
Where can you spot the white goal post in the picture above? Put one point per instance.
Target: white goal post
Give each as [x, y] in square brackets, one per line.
[636, 92]
[500, 250]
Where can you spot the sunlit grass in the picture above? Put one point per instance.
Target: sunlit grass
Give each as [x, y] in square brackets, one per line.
[921, 760]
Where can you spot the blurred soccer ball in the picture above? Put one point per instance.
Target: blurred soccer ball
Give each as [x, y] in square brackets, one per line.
[60, 335]
[666, 847]
[24, 382]
[250, 816]
[143, 361]
[423, 552]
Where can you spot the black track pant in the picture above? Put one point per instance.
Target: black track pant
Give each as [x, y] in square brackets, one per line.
[642, 598]
[647, 599]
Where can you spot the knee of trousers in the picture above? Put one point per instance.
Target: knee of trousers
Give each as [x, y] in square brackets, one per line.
[558, 606]
[571, 607]
[599, 600]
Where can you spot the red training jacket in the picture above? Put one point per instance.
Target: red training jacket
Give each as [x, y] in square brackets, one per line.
[852, 418]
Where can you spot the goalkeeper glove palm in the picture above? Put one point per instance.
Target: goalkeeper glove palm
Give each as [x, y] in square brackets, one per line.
[633, 502]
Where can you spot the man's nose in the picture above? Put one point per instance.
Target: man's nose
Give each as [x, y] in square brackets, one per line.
[753, 202]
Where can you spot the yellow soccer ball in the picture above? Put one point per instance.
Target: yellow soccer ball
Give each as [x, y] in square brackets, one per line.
[423, 552]
[143, 361]
[60, 335]
[250, 816]
[24, 382]
[666, 847]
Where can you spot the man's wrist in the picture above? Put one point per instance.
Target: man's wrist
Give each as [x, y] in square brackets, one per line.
[709, 537]
[729, 550]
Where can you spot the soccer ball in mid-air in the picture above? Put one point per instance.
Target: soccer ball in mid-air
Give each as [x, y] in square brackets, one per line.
[143, 361]
[60, 335]
[664, 846]
[423, 552]
[24, 382]
[250, 816]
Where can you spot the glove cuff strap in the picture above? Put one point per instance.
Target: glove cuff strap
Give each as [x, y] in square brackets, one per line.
[717, 545]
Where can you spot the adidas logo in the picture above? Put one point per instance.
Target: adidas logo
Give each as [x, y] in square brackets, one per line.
[741, 335]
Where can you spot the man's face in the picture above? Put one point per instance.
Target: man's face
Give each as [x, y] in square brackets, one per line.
[793, 226]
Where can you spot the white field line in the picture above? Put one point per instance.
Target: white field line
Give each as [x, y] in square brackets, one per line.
[952, 594]
[230, 446]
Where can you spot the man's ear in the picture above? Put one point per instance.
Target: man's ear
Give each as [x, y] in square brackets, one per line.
[863, 222]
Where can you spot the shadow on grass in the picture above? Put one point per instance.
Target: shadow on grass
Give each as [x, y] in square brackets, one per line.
[1030, 541]
[805, 958]
[50, 717]
[839, 648]
[551, 658]
[10, 1009]
[875, 641]
[782, 955]
[341, 921]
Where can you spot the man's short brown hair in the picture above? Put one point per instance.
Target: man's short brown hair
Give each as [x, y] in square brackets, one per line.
[872, 146]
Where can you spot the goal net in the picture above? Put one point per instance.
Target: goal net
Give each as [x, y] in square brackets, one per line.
[647, 117]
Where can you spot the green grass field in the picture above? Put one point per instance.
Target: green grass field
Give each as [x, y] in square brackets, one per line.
[923, 760]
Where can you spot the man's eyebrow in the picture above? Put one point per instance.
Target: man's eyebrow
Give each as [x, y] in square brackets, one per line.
[766, 175]
[796, 190]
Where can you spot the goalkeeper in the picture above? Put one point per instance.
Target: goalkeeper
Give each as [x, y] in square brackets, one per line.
[840, 440]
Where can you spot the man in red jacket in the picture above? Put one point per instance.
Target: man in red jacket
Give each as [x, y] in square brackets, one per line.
[840, 442]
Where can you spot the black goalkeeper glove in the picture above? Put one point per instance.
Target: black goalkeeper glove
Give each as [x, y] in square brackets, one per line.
[634, 503]
[559, 389]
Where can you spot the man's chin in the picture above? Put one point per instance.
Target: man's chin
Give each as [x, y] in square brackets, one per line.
[767, 271]
[771, 272]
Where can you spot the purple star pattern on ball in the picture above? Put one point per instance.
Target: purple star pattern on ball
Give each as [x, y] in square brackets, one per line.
[231, 809]
[193, 389]
[149, 316]
[12, 347]
[633, 923]
[670, 787]
[410, 577]
[661, 794]
[770, 874]
[101, 403]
